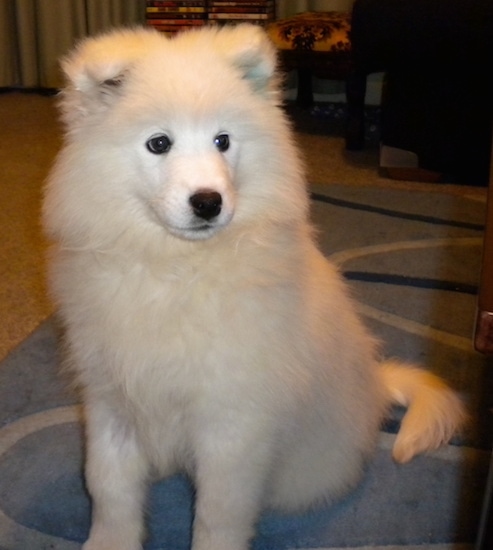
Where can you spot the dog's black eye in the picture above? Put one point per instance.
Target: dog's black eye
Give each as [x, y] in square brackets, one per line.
[221, 141]
[159, 144]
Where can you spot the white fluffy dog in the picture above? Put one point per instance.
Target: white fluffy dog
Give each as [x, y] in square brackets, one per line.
[208, 333]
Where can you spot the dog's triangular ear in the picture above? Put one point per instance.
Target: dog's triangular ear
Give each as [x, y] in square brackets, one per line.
[251, 51]
[96, 69]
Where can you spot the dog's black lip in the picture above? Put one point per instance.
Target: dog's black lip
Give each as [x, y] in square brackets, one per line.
[202, 227]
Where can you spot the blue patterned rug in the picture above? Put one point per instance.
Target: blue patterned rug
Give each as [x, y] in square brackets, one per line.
[330, 118]
[334, 115]
[413, 260]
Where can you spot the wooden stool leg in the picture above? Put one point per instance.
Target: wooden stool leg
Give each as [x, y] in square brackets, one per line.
[305, 92]
[355, 98]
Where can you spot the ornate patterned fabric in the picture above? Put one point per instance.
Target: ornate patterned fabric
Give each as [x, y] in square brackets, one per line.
[313, 31]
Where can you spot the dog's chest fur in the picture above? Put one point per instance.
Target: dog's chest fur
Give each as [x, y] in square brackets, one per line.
[169, 335]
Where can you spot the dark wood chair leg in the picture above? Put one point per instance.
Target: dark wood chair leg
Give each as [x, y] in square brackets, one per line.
[305, 91]
[355, 98]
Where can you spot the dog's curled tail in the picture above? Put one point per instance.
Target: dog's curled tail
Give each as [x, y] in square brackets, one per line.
[434, 411]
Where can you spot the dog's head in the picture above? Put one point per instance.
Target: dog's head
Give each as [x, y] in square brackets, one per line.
[181, 132]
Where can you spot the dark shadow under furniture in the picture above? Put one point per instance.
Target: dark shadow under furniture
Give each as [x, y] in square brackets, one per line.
[437, 101]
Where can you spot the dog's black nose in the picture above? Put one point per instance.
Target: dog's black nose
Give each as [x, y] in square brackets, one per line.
[206, 204]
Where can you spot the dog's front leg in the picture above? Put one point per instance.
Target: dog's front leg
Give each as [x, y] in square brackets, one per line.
[116, 478]
[230, 484]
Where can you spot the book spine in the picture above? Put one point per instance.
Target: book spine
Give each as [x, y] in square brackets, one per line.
[176, 22]
[176, 3]
[235, 16]
[152, 10]
[177, 16]
[246, 3]
[251, 9]
[173, 29]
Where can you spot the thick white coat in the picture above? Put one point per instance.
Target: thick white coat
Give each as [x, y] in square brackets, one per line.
[229, 350]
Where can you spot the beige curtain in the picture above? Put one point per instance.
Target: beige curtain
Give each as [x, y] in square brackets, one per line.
[34, 34]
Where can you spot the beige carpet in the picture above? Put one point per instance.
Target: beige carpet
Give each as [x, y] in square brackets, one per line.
[29, 138]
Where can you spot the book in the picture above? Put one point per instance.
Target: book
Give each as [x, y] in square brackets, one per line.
[249, 9]
[177, 22]
[177, 3]
[177, 16]
[263, 16]
[245, 3]
[173, 29]
[152, 10]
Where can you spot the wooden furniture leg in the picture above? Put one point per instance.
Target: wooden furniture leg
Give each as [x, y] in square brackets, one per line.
[355, 101]
[304, 96]
[484, 343]
[484, 323]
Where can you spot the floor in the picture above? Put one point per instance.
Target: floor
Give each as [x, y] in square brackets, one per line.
[30, 135]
